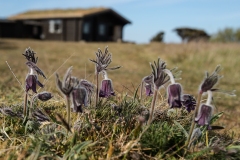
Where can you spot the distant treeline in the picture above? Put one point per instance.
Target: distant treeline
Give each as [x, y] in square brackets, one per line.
[196, 35]
[226, 35]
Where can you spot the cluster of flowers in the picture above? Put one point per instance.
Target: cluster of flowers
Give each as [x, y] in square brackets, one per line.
[176, 99]
[79, 92]
[32, 80]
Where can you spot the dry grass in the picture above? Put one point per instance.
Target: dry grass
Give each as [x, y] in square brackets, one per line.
[193, 59]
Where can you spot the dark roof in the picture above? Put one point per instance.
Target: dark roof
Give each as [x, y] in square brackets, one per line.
[63, 13]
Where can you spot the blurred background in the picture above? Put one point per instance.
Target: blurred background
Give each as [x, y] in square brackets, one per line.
[155, 19]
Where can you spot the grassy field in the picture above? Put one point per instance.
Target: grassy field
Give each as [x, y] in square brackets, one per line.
[192, 59]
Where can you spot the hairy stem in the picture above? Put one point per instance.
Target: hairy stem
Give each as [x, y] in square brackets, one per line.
[152, 106]
[68, 110]
[97, 94]
[209, 99]
[25, 104]
[31, 106]
[141, 90]
[193, 118]
[169, 73]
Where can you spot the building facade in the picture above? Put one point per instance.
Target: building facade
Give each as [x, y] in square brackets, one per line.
[91, 25]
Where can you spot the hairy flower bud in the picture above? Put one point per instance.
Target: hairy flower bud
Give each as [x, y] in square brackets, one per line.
[211, 80]
[44, 96]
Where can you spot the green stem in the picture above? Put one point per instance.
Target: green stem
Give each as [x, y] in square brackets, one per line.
[25, 105]
[152, 106]
[193, 118]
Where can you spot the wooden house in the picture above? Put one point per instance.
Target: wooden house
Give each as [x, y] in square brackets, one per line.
[94, 24]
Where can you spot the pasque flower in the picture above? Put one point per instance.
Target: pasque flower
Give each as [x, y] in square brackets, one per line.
[210, 80]
[159, 76]
[204, 115]
[44, 96]
[189, 102]
[159, 79]
[106, 89]
[103, 60]
[174, 93]
[88, 86]
[32, 79]
[66, 85]
[79, 98]
[205, 112]
[29, 54]
[148, 80]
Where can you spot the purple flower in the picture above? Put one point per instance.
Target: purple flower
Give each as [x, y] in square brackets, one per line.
[31, 83]
[106, 88]
[44, 96]
[174, 95]
[79, 97]
[148, 80]
[189, 102]
[148, 88]
[204, 115]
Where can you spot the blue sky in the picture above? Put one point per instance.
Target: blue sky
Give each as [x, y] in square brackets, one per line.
[148, 17]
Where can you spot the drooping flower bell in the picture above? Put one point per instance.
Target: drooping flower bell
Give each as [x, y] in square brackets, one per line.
[204, 115]
[148, 80]
[174, 92]
[106, 89]
[32, 81]
[205, 112]
[78, 95]
[79, 98]
[189, 102]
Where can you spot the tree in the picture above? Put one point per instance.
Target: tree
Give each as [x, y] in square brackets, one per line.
[158, 37]
[227, 35]
[189, 34]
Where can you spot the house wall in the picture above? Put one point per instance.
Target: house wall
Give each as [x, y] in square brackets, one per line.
[73, 29]
[112, 28]
[70, 29]
[12, 29]
[51, 36]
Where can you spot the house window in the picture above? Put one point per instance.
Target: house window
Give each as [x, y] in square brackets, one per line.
[86, 28]
[55, 26]
[101, 29]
